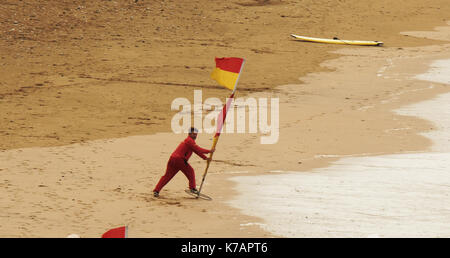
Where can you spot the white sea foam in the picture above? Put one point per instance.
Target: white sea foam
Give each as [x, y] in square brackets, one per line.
[439, 72]
[403, 195]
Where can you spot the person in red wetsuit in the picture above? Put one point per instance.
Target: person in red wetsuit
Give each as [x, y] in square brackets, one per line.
[179, 161]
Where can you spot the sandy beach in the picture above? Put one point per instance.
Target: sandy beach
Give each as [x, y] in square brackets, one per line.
[85, 127]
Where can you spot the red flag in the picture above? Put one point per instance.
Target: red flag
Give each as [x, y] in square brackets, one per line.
[120, 232]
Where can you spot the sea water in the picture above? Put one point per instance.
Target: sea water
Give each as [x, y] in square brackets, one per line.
[401, 195]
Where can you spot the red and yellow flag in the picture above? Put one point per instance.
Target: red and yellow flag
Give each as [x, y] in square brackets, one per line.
[120, 232]
[227, 71]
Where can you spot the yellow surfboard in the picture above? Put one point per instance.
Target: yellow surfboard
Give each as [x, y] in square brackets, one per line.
[339, 41]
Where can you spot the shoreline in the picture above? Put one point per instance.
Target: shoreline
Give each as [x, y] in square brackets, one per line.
[403, 99]
[174, 204]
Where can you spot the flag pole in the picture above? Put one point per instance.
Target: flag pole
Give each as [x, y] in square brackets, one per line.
[219, 129]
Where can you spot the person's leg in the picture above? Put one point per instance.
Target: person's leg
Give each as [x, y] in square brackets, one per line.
[171, 171]
[189, 172]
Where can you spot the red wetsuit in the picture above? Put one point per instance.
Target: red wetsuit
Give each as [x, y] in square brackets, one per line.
[179, 161]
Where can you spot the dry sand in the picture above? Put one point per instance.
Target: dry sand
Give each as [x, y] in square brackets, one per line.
[88, 75]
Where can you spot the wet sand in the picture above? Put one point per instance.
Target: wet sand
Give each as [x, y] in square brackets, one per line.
[369, 194]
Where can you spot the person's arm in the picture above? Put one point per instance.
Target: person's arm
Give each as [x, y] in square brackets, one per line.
[198, 150]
